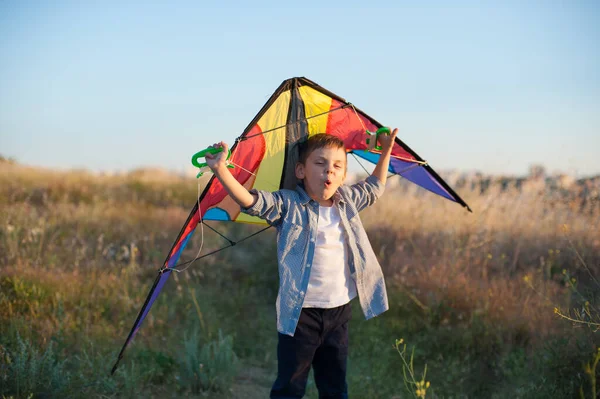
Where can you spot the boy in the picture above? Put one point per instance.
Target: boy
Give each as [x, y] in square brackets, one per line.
[324, 256]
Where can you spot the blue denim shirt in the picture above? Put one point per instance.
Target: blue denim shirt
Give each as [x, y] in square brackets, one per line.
[295, 217]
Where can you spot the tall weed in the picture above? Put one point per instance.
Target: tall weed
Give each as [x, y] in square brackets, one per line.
[207, 367]
[25, 371]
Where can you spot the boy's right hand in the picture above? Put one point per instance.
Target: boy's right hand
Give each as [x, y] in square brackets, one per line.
[218, 160]
[218, 164]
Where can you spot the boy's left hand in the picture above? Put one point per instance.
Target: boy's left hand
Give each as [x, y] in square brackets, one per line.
[387, 142]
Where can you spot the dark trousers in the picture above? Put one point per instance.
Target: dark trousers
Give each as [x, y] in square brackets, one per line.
[320, 340]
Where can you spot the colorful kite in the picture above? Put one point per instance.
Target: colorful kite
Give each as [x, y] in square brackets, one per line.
[264, 157]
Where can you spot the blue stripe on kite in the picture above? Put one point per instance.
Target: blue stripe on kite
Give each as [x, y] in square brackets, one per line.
[216, 214]
[176, 255]
[411, 172]
[369, 156]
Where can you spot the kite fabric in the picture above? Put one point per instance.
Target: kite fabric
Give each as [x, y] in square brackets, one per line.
[265, 155]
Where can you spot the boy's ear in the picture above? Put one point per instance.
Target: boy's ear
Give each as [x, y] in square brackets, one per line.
[299, 170]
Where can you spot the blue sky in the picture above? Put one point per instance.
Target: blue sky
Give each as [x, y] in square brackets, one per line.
[472, 86]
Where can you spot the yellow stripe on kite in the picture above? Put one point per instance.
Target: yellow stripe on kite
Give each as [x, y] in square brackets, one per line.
[269, 172]
[315, 103]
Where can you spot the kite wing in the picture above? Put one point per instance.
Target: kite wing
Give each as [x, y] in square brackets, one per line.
[264, 158]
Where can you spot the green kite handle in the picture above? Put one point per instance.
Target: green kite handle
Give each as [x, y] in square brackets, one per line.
[381, 130]
[202, 154]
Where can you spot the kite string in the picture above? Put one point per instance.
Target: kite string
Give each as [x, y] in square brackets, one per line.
[297, 121]
[274, 186]
[325, 113]
[201, 223]
[241, 167]
[358, 117]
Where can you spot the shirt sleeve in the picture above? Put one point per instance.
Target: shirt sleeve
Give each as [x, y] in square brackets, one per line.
[366, 192]
[268, 206]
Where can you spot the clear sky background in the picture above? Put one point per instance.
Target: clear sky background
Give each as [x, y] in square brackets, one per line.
[491, 86]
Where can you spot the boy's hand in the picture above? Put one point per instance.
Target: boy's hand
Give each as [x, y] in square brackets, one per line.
[218, 164]
[387, 142]
[219, 160]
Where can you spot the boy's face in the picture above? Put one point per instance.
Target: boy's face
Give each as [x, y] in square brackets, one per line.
[323, 172]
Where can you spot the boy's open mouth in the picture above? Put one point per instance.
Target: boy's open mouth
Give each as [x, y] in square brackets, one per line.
[327, 183]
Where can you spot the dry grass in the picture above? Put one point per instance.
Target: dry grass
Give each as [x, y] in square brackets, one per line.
[485, 262]
[76, 247]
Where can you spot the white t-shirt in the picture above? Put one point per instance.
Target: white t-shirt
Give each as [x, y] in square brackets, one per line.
[330, 284]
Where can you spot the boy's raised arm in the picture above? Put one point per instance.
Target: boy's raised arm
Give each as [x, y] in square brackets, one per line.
[218, 164]
[387, 143]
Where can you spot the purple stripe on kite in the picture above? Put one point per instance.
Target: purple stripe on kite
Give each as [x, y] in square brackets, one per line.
[410, 171]
[421, 177]
[157, 289]
[161, 282]
[216, 214]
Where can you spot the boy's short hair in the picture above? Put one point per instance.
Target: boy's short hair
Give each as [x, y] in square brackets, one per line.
[314, 142]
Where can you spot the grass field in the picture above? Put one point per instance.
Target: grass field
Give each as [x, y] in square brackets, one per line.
[475, 295]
